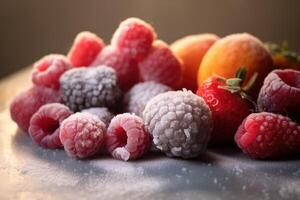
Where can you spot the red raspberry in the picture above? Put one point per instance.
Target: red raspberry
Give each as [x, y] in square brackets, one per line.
[134, 37]
[126, 68]
[267, 135]
[280, 93]
[126, 137]
[44, 124]
[47, 71]
[161, 65]
[228, 109]
[85, 48]
[82, 135]
[28, 102]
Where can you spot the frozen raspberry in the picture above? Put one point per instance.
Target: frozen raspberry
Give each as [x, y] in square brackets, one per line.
[90, 87]
[280, 93]
[180, 123]
[44, 124]
[82, 135]
[126, 137]
[134, 37]
[126, 68]
[101, 112]
[47, 71]
[138, 96]
[85, 48]
[28, 102]
[161, 65]
[268, 135]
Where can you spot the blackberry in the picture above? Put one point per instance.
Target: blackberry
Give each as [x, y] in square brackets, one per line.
[138, 96]
[180, 123]
[90, 87]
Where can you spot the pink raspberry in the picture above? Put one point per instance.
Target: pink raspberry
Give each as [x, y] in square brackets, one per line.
[280, 93]
[134, 37]
[126, 137]
[161, 65]
[85, 48]
[28, 102]
[126, 68]
[47, 71]
[267, 135]
[82, 135]
[44, 125]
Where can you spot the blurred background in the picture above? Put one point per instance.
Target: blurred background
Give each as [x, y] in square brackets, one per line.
[30, 29]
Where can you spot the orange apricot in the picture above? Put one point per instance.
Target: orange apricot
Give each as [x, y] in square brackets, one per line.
[191, 49]
[232, 52]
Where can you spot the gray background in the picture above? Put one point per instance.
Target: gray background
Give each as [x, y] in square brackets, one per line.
[30, 29]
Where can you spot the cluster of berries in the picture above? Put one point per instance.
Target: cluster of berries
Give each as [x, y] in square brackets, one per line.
[124, 97]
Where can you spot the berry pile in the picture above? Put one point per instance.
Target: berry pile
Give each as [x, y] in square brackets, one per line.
[128, 97]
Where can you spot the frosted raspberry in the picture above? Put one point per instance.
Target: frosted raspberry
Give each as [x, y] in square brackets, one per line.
[161, 65]
[267, 135]
[180, 123]
[102, 113]
[126, 68]
[44, 124]
[90, 87]
[82, 135]
[28, 102]
[280, 93]
[85, 48]
[134, 37]
[126, 137]
[138, 96]
[47, 71]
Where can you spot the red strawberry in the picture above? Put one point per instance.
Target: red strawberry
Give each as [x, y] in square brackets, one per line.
[227, 102]
[268, 135]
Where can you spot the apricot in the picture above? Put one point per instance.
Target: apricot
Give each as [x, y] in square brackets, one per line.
[191, 49]
[232, 52]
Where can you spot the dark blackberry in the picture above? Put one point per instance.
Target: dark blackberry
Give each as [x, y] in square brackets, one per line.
[90, 87]
[136, 99]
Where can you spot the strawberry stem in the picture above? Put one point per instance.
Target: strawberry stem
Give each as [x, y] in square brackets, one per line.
[250, 82]
[234, 85]
[283, 50]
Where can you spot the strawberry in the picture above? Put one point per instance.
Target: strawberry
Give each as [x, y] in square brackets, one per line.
[227, 101]
[284, 58]
[268, 135]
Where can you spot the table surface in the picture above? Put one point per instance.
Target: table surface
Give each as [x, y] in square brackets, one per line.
[29, 172]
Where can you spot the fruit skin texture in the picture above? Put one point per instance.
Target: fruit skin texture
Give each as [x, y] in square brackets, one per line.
[85, 48]
[90, 87]
[47, 71]
[44, 125]
[82, 135]
[191, 50]
[134, 37]
[228, 109]
[280, 93]
[283, 62]
[101, 112]
[230, 53]
[180, 123]
[137, 97]
[268, 135]
[126, 68]
[26, 103]
[126, 137]
[161, 66]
